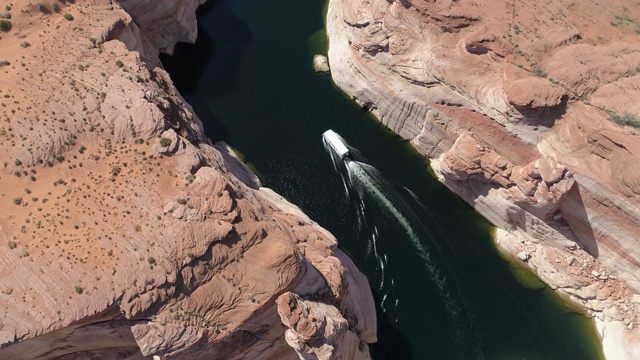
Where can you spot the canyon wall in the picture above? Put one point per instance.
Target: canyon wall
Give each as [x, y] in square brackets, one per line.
[526, 110]
[127, 234]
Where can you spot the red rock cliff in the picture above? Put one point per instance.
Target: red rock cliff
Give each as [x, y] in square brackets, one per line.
[515, 103]
[125, 233]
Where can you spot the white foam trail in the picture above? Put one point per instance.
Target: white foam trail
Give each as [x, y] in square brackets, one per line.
[363, 177]
[374, 238]
[367, 180]
[370, 248]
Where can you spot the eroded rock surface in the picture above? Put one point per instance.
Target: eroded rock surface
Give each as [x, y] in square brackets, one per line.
[165, 22]
[512, 102]
[125, 233]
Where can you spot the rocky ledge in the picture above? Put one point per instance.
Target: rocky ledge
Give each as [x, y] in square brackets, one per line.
[126, 233]
[527, 110]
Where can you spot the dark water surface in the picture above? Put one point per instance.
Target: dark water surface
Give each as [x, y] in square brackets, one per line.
[442, 289]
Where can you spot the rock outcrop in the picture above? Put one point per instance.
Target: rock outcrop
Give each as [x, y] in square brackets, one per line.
[519, 105]
[165, 22]
[125, 233]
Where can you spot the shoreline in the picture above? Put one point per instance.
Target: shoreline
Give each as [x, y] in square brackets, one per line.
[128, 233]
[552, 258]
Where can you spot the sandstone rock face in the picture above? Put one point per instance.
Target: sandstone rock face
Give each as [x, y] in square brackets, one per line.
[317, 331]
[165, 22]
[320, 64]
[512, 101]
[125, 233]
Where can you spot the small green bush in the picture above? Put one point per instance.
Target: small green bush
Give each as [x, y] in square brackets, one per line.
[119, 63]
[626, 118]
[181, 201]
[79, 289]
[41, 7]
[164, 142]
[68, 17]
[151, 260]
[617, 21]
[538, 71]
[5, 25]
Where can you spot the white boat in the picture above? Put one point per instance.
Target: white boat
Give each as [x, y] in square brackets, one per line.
[335, 141]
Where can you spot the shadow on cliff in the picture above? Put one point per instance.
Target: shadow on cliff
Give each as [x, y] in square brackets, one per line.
[575, 213]
[543, 116]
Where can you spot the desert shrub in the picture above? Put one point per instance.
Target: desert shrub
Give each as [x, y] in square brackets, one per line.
[55, 7]
[538, 71]
[119, 63]
[5, 15]
[181, 201]
[5, 25]
[5, 63]
[617, 21]
[164, 142]
[68, 17]
[41, 7]
[625, 119]
[79, 289]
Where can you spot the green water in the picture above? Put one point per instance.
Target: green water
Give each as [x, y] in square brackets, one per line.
[250, 80]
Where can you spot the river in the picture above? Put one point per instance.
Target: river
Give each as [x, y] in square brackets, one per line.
[442, 288]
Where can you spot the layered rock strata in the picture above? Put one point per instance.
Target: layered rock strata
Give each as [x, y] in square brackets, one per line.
[125, 233]
[519, 106]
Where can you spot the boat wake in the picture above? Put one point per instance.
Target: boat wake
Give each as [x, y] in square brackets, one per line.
[399, 207]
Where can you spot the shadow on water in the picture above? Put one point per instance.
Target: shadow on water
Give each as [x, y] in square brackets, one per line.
[251, 83]
[215, 61]
[392, 344]
[191, 63]
[188, 62]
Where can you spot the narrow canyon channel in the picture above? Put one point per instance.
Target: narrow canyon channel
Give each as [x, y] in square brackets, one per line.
[442, 288]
